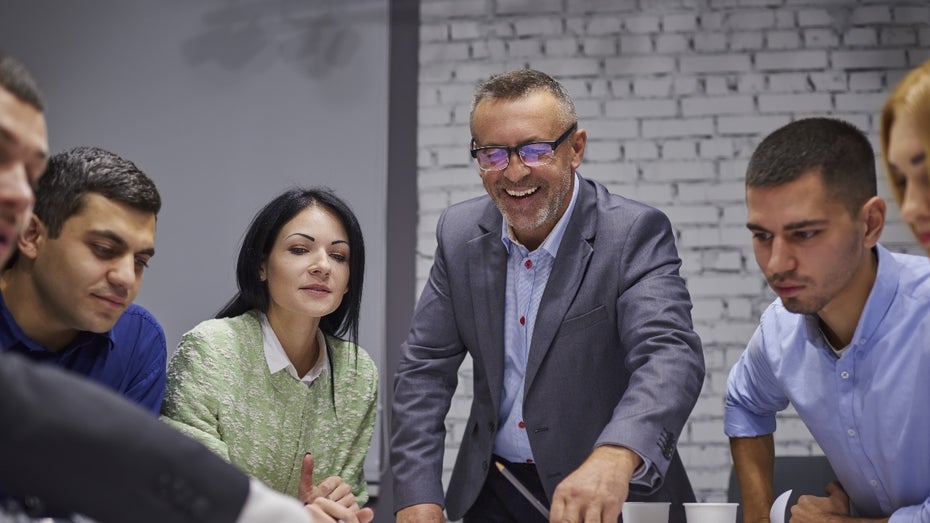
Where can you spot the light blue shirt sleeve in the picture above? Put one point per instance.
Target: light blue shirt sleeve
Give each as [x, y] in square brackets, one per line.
[753, 394]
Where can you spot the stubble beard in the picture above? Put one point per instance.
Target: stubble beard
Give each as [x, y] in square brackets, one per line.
[833, 285]
[548, 212]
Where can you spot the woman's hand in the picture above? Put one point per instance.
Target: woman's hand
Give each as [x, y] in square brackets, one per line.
[331, 488]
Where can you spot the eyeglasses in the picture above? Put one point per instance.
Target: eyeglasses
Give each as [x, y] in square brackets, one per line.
[535, 154]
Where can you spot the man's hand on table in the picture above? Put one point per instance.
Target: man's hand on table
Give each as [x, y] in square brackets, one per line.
[596, 491]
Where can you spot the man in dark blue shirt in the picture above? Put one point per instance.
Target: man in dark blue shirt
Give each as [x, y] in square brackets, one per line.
[67, 294]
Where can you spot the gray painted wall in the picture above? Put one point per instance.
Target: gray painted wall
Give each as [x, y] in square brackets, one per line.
[224, 104]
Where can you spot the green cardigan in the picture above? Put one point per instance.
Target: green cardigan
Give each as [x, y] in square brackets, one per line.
[221, 393]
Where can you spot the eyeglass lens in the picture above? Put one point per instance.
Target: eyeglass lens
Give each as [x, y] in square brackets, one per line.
[532, 154]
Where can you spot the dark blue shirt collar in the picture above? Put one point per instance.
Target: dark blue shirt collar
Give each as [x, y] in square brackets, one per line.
[12, 337]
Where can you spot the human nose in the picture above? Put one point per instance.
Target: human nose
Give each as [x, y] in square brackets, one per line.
[15, 191]
[515, 169]
[320, 263]
[915, 205]
[781, 259]
[123, 275]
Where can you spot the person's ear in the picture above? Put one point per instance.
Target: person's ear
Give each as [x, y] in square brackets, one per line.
[261, 272]
[579, 140]
[873, 212]
[33, 238]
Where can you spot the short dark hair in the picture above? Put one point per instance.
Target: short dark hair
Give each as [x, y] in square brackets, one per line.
[16, 79]
[522, 82]
[260, 238]
[74, 173]
[836, 149]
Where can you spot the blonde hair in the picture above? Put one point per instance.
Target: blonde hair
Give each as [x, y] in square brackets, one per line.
[911, 96]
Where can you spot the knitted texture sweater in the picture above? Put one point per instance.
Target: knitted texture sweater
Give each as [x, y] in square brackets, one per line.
[221, 392]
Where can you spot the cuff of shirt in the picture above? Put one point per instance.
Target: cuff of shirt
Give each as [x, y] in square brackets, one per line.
[646, 475]
[264, 504]
[740, 423]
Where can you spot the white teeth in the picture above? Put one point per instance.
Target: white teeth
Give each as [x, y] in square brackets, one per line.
[518, 194]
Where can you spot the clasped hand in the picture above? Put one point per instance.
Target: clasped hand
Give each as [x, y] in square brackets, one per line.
[332, 499]
[817, 509]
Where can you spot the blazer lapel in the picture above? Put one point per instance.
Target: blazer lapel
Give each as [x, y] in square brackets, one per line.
[487, 272]
[568, 271]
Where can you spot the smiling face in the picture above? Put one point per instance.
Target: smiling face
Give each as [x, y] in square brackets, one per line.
[86, 277]
[907, 165]
[813, 252]
[532, 199]
[23, 155]
[307, 270]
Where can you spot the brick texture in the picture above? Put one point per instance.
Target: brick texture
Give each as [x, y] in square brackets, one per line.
[674, 94]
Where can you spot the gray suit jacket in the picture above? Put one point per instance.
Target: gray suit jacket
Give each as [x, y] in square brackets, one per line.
[81, 448]
[614, 358]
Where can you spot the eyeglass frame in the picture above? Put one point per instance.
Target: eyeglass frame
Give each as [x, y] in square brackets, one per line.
[554, 144]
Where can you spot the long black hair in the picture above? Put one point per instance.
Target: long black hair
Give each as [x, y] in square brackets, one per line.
[260, 238]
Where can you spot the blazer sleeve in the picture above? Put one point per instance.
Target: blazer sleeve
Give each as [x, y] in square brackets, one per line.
[424, 383]
[83, 449]
[664, 354]
[192, 400]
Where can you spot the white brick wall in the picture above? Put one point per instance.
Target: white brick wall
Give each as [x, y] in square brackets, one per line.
[674, 94]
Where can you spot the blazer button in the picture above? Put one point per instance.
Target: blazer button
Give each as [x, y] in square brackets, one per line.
[484, 465]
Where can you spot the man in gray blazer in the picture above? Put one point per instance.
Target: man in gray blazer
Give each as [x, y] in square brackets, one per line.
[569, 301]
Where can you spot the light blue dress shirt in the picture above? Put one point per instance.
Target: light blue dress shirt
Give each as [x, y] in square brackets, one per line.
[527, 276]
[868, 408]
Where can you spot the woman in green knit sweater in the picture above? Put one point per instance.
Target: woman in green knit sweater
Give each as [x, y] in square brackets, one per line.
[278, 375]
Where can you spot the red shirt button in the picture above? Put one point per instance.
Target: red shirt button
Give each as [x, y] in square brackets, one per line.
[528, 264]
[521, 425]
[522, 320]
[529, 461]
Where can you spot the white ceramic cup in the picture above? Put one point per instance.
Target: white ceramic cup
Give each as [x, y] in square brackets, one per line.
[645, 512]
[710, 512]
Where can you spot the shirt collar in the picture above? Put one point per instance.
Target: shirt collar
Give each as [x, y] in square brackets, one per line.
[277, 359]
[554, 239]
[880, 298]
[12, 334]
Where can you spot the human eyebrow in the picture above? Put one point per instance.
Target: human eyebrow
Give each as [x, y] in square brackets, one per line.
[311, 238]
[804, 224]
[109, 235]
[119, 241]
[302, 235]
[918, 158]
[915, 161]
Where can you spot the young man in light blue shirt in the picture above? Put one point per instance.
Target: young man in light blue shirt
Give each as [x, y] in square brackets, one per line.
[845, 342]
